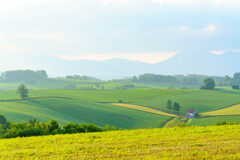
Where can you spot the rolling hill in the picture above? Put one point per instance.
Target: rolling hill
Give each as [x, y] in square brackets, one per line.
[141, 108]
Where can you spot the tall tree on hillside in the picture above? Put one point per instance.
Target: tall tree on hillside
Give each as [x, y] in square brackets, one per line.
[176, 106]
[169, 105]
[22, 91]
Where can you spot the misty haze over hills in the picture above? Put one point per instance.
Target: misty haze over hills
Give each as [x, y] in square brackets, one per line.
[201, 62]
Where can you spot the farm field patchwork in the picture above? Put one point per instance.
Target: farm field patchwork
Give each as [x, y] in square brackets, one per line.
[203, 101]
[145, 109]
[94, 106]
[233, 110]
[69, 110]
[213, 142]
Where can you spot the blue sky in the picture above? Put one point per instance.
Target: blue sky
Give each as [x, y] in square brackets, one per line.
[103, 29]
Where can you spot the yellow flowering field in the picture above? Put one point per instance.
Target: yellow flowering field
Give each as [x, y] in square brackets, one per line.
[213, 142]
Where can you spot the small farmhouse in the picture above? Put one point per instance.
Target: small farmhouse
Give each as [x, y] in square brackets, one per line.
[191, 114]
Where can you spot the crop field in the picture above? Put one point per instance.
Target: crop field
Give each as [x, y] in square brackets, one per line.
[108, 95]
[203, 101]
[214, 142]
[68, 110]
[145, 109]
[95, 106]
[206, 121]
[234, 110]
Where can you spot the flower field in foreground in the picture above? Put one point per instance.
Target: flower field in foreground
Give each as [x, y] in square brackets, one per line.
[214, 142]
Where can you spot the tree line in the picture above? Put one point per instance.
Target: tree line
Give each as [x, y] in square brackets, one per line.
[24, 76]
[173, 106]
[82, 77]
[35, 128]
[192, 79]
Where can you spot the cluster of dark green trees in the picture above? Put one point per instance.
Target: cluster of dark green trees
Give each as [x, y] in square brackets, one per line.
[173, 106]
[209, 84]
[24, 76]
[35, 128]
[129, 86]
[82, 77]
[191, 79]
[230, 81]
[155, 78]
[235, 87]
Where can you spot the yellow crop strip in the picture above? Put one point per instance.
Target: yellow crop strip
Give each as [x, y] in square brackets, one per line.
[234, 110]
[214, 142]
[145, 109]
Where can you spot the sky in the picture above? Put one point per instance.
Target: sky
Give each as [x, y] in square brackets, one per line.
[149, 31]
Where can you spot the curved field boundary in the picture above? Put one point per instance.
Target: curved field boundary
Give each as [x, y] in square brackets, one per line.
[31, 98]
[233, 110]
[145, 109]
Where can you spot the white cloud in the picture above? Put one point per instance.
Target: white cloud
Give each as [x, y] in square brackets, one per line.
[199, 3]
[14, 4]
[11, 48]
[184, 28]
[218, 52]
[46, 36]
[118, 3]
[115, 2]
[227, 3]
[208, 29]
[150, 58]
[236, 50]
[173, 2]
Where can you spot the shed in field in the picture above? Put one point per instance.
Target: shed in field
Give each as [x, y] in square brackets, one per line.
[191, 114]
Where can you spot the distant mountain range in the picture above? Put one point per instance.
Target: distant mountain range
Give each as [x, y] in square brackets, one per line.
[201, 62]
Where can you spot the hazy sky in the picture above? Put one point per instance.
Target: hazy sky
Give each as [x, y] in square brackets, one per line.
[103, 29]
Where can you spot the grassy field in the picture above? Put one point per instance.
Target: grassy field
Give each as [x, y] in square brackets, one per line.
[215, 142]
[177, 122]
[145, 109]
[234, 110]
[206, 121]
[108, 95]
[203, 101]
[94, 106]
[69, 110]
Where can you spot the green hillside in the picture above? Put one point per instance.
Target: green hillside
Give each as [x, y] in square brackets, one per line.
[69, 110]
[215, 142]
[206, 121]
[203, 101]
[95, 106]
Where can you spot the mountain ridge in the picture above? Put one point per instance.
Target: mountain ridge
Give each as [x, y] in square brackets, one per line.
[201, 62]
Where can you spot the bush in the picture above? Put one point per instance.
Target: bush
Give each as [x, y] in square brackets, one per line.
[36, 128]
[225, 123]
[235, 87]
[73, 128]
[70, 86]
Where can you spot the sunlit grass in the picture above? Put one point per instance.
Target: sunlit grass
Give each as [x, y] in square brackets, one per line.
[215, 142]
[145, 109]
[234, 110]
